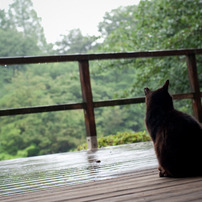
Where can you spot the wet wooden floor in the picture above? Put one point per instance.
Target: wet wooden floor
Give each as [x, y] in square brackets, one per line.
[142, 185]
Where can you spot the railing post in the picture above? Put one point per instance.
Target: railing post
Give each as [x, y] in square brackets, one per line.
[89, 109]
[194, 83]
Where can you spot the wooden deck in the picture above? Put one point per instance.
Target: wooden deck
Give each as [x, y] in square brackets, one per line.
[143, 185]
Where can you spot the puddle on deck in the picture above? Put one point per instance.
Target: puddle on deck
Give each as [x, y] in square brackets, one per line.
[33, 173]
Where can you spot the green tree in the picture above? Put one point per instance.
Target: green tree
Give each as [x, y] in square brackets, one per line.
[45, 133]
[21, 34]
[24, 19]
[158, 25]
[121, 17]
[4, 22]
[13, 43]
[169, 24]
[75, 42]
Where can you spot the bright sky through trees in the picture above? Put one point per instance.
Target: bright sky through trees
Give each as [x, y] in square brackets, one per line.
[60, 16]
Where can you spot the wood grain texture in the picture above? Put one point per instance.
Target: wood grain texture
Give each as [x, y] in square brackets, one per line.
[97, 56]
[87, 98]
[194, 84]
[142, 185]
[79, 106]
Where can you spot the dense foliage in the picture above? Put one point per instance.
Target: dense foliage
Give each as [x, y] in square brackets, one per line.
[152, 25]
[119, 139]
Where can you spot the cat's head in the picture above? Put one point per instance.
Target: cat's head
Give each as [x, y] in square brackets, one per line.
[159, 98]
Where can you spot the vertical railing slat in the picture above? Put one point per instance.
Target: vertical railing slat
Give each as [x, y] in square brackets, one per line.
[88, 100]
[194, 83]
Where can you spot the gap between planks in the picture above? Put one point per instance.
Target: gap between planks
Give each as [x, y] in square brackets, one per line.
[134, 186]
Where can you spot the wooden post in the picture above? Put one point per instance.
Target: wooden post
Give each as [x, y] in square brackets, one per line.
[194, 83]
[89, 109]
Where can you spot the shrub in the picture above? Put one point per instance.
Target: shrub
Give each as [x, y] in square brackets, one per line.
[119, 138]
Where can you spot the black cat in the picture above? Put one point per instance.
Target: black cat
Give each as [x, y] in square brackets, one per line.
[177, 136]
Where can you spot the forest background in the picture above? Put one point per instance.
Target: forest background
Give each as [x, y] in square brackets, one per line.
[152, 25]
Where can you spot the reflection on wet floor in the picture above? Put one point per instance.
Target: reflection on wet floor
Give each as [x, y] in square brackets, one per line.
[33, 173]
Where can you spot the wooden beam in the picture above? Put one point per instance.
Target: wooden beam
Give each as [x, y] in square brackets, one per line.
[75, 106]
[40, 109]
[194, 84]
[183, 96]
[115, 102]
[97, 56]
[136, 100]
[88, 100]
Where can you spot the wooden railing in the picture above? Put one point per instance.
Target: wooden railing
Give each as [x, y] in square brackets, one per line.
[88, 104]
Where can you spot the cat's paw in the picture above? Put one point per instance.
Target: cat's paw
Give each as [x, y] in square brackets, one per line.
[162, 172]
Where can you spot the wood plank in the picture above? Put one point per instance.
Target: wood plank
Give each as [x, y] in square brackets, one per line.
[88, 100]
[183, 96]
[75, 106]
[126, 191]
[194, 84]
[127, 101]
[140, 185]
[40, 109]
[115, 102]
[160, 193]
[98, 56]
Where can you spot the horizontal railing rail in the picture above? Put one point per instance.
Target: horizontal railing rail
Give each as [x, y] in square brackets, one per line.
[88, 104]
[75, 106]
[98, 56]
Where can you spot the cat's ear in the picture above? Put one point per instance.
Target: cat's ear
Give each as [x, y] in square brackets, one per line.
[146, 91]
[165, 86]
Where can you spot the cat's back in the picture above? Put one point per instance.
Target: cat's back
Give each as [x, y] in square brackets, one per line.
[183, 132]
[183, 122]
